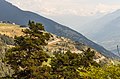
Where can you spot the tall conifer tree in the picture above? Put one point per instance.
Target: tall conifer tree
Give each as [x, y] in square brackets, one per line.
[27, 56]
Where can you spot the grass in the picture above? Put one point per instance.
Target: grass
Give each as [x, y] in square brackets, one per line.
[5, 24]
[10, 30]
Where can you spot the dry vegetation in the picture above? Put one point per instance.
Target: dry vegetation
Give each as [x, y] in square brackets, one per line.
[10, 30]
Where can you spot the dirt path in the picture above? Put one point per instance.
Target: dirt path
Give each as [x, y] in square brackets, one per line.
[53, 42]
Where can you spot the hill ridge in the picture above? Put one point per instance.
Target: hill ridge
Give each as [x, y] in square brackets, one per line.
[18, 16]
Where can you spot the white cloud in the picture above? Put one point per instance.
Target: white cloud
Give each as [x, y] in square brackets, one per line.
[64, 7]
[107, 8]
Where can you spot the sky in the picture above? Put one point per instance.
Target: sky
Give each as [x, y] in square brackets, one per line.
[66, 12]
[67, 7]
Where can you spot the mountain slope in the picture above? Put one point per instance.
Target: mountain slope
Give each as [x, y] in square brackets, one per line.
[111, 38]
[63, 44]
[98, 24]
[10, 30]
[55, 44]
[21, 17]
[108, 33]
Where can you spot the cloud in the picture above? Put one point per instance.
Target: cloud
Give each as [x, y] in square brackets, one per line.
[64, 7]
[103, 8]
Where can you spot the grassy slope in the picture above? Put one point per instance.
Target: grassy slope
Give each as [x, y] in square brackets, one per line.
[10, 30]
[62, 45]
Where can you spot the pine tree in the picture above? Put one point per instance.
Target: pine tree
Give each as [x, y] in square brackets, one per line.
[27, 56]
[65, 65]
[87, 58]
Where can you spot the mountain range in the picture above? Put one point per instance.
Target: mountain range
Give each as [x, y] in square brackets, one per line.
[9, 12]
[107, 30]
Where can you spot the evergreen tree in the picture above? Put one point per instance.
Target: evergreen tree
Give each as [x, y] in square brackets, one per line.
[65, 65]
[27, 56]
[105, 72]
[87, 58]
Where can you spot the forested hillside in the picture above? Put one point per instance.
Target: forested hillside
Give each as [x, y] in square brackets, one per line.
[30, 57]
[9, 12]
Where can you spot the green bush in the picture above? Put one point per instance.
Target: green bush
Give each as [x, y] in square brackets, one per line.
[105, 72]
[6, 39]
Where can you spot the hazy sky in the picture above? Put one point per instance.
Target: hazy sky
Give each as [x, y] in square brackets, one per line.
[63, 7]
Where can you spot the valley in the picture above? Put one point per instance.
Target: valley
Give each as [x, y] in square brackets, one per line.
[105, 31]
